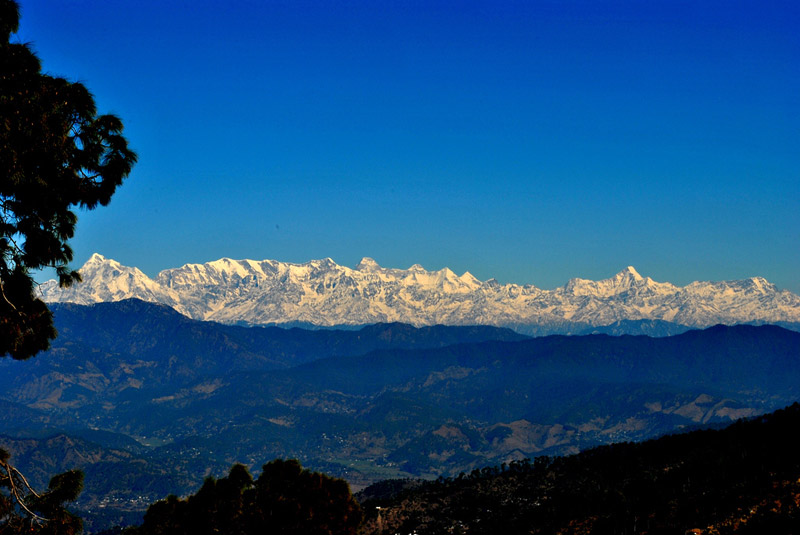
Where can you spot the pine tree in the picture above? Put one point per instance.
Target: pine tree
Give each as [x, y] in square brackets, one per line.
[56, 154]
[286, 499]
[23, 510]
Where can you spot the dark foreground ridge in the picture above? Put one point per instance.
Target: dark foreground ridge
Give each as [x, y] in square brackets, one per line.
[742, 479]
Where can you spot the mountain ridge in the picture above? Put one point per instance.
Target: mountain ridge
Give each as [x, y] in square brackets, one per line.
[742, 478]
[187, 398]
[321, 292]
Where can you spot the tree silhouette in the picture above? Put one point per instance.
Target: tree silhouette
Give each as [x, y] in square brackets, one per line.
[286, 499]
[23, 510]
[56, 154]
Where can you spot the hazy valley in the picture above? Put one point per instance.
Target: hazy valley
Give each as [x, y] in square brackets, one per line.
[148, 402]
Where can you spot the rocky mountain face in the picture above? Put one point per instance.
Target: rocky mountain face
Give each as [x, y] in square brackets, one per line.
[323, 293]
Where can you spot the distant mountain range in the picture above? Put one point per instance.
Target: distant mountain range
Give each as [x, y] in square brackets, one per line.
[323, 293]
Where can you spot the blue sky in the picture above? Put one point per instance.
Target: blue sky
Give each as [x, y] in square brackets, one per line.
[527, 141]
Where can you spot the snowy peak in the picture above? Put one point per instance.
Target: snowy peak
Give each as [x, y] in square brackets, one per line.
[325, 263]
[99, 268]
[626, 281]
[98, 264]
[469, 280]
[105, 279]
[367, 265]
[228, 266]
[325, 293]
[760, 285]
[628, 275]
[95, 259]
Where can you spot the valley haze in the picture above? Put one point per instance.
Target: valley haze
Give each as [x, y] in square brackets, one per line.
[323, 293]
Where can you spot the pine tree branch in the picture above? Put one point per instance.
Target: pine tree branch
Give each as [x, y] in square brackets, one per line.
[11, 471]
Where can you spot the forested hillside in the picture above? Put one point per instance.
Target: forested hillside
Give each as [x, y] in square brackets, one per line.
[743, 479]
[148, 403]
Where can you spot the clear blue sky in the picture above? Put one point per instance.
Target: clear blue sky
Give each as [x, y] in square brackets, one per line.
[527, 141]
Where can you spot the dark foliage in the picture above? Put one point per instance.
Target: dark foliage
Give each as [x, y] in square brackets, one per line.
[742, 479]
[23, 510]
[56, 153]
[285, 499]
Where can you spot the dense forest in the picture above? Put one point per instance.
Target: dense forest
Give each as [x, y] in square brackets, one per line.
[741, 479]
[285, 499]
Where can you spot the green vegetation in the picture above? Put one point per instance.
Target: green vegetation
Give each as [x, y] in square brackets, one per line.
[56, 153]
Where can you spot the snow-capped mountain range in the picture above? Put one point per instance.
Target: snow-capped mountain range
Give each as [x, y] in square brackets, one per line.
[323, 293]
